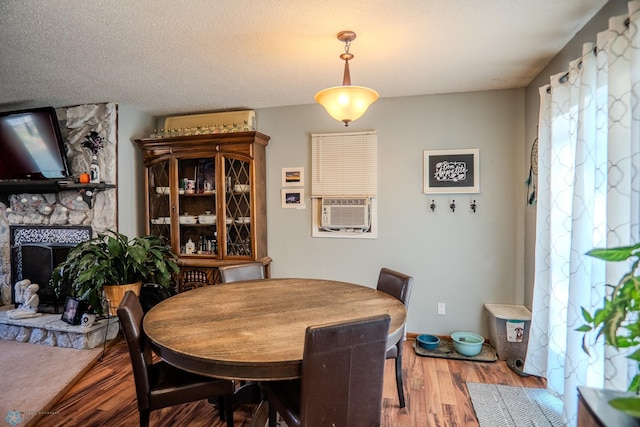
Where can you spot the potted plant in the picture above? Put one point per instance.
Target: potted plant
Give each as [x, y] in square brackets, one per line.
[617, 320]
[112, 260]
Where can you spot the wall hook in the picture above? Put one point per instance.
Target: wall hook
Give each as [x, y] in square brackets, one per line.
[433, 206]
[474, 206]
[453, 206]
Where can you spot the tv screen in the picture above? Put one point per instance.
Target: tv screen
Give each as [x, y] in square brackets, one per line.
[31, 145]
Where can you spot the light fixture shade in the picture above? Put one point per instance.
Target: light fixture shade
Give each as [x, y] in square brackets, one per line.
[346, 103]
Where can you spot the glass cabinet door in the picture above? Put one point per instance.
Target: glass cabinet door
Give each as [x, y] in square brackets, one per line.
[238, 207]
[196, 207]
[159, 199]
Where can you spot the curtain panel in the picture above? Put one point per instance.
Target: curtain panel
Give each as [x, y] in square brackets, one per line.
[588, 196]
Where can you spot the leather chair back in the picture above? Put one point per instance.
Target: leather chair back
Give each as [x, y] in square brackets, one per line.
[130, 314]
[342, 373]
[240, 272]
[395, 284]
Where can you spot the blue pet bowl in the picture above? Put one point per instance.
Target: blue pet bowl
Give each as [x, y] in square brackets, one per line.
[428, 342]
[467, 343]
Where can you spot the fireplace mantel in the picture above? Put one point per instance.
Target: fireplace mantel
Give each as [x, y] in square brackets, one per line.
[86, 191]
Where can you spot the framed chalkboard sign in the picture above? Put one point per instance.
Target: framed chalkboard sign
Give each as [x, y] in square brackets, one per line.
[451, 171]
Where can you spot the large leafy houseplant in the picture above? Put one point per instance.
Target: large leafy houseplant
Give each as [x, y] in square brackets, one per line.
[114, 259]
[617, 320]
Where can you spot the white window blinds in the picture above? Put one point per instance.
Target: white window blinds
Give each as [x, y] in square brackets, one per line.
[344, 164]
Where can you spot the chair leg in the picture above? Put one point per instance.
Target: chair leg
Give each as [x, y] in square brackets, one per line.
[144, 418]
[399, 381]
[272, 416]
[220, 405]
[228, 410]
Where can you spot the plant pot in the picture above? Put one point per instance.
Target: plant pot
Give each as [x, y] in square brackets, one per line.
[115, 293]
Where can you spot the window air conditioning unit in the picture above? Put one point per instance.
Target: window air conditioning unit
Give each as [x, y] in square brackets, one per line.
[345, 213]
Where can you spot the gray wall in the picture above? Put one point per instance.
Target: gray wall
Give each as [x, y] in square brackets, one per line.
[132, 124]
[559, 64]
[462, 259]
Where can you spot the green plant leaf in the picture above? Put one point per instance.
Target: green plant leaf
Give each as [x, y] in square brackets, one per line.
[614, 254]
[138, 253]
[635, 384]
[602, 314]
[586, 315]
[635, 355]
[628, 405]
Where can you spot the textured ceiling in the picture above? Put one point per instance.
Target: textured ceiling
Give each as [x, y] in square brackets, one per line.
[185, 56]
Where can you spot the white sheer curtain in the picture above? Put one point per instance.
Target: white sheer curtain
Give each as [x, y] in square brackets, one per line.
[588, 196]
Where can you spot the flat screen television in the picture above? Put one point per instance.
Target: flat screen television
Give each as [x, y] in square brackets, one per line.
[31, 145]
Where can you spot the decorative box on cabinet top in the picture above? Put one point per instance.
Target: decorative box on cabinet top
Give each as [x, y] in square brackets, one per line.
[212, 119]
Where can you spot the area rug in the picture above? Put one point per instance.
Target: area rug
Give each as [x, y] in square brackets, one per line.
[509, 406]
[446, 350]
[35, 376]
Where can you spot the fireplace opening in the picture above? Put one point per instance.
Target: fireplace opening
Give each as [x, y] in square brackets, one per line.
[36, 251]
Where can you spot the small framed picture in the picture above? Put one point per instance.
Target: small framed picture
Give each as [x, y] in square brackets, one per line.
[292, 198]
[73, 310]
[293, 177]
[451, 171]
[69, 314]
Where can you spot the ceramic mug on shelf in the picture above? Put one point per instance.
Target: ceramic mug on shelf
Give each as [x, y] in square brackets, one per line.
[88, 319]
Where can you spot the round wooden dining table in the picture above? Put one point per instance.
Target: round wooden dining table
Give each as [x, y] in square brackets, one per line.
[255, 330]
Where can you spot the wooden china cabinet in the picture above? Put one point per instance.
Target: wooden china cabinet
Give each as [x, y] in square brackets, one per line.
[207, 195]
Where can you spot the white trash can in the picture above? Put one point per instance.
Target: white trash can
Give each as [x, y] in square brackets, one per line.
[509, 329]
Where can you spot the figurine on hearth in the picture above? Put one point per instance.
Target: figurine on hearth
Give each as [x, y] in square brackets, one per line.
[26, 294]
[20, 289]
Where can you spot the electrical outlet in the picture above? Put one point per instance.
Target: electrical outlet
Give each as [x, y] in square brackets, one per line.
[441, 308]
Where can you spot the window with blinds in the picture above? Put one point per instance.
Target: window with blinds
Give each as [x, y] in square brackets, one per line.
[344, 177]
[344, 164]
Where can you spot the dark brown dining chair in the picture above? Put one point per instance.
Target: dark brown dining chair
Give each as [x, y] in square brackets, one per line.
[342, 377]
[159, 385]
[399, 286]
[240, 272]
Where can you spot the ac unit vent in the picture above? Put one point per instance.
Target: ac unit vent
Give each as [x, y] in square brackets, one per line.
[343, 213]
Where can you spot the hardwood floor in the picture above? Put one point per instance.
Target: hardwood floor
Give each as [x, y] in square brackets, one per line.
[435, 393]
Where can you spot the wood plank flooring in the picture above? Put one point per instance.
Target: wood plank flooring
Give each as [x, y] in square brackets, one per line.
[435, 393]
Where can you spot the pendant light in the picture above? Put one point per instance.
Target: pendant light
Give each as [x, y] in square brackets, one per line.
[346, 103]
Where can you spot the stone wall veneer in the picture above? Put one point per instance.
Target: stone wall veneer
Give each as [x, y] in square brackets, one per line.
[68, 207]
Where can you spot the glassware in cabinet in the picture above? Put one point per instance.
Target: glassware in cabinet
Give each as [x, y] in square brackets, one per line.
[196, 206]
[159, 199]
[238, 207]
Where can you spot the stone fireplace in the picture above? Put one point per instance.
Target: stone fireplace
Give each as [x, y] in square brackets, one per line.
[52, 213]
